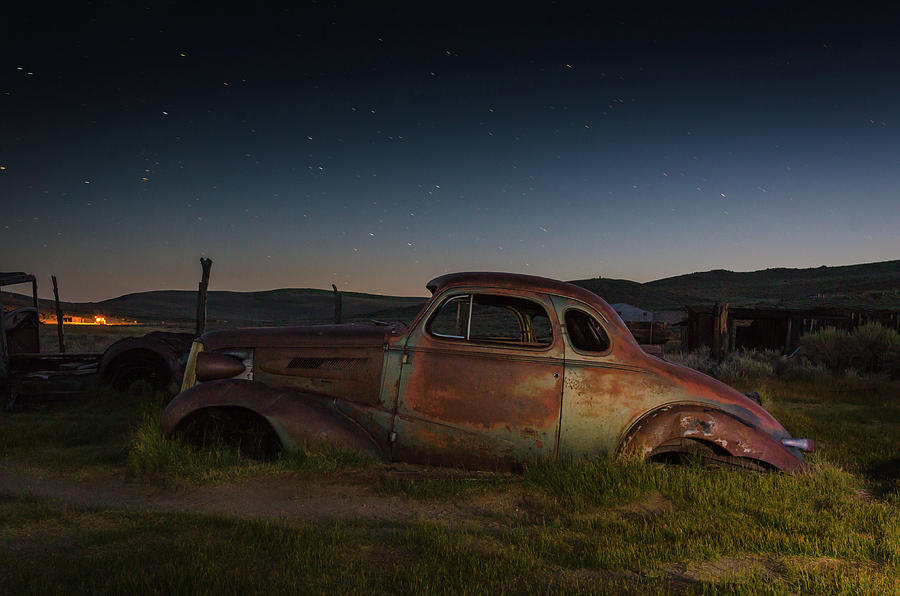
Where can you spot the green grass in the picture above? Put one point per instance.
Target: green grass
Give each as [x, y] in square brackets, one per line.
[77, 437]
[582, 526]
[855, 421]
[780, 534]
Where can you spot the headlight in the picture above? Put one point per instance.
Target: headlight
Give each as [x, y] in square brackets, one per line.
[224, 364]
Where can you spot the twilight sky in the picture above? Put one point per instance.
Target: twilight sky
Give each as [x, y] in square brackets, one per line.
[379, 148]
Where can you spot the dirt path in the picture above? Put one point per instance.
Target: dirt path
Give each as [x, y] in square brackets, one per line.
[278, 498]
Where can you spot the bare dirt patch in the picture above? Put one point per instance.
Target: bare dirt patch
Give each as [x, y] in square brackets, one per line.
[516, 505]
[653, 504]
[283, 497]
[650, 505]
[720, 570]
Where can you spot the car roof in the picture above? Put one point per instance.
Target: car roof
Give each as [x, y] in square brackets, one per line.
[492, 279]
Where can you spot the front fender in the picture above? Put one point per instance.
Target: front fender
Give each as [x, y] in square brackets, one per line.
[300, 419]
[703, 423]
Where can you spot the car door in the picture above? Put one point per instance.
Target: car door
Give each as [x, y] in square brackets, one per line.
[602, 392]
[481, 381]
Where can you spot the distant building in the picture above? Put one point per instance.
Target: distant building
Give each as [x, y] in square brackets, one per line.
[49, 318]
[632, 314]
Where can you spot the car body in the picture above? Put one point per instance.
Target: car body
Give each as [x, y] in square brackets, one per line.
[497, 369]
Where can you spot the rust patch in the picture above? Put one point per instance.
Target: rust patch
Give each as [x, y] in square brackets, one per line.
[482, 392]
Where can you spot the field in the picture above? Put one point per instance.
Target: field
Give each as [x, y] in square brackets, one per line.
[96, 338]
[94, 501]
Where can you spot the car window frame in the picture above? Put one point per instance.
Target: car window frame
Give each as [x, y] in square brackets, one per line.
[466, 341]
[600, 320]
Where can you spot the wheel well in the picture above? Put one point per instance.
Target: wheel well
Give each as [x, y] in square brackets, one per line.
[684, 450]
[697, 433]
[250, 433]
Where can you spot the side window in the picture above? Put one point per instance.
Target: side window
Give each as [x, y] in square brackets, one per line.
[585, 332]
[452, 319]
[540, 324]
[491, 318]
[492, 322]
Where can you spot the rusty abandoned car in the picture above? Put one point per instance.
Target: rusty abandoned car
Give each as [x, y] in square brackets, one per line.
[497, 369]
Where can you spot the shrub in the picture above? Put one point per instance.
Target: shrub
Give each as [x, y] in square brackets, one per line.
[744, 364]
[699, 360]
[827, 347]
[874, 348]
[747, 364]
[870, 348]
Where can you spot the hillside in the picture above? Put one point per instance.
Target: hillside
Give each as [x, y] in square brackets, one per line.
[637, 294]
[228, 309]
[869, 285]
[866, 286]
[273, 307]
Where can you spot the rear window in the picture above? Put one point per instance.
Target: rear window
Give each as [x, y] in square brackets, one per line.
[585, 332]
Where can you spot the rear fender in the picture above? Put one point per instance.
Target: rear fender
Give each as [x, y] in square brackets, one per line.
[299, 419]
[164, 348]
[670, 424]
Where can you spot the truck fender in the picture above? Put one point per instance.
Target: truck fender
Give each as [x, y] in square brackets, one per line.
[154, 355]
[299, 419]
[666, 428]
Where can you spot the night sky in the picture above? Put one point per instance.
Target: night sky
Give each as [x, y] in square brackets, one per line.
[379, 148]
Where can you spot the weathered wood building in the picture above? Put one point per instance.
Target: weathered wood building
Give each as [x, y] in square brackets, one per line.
[724, 329]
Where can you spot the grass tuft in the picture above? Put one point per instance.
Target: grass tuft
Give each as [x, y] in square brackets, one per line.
[151, 454]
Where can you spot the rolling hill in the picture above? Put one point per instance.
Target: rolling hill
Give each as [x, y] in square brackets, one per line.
[865, 286]
[869, 285]
[231, 309]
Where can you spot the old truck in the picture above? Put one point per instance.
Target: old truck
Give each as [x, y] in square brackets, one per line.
[496, 370]
[152, 362]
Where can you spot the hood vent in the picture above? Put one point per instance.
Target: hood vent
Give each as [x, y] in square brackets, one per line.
[326, 363]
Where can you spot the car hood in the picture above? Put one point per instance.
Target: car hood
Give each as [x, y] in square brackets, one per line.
[289, 337]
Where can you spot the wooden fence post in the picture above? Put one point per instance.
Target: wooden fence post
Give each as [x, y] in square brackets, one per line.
[59, 318]
[5, 385]
[206, 264]
[720, 331]
[338, 305]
